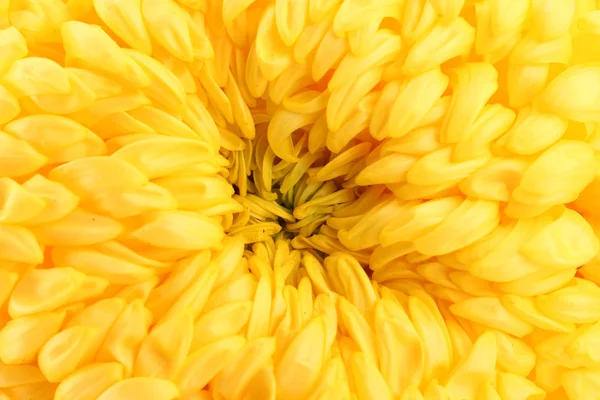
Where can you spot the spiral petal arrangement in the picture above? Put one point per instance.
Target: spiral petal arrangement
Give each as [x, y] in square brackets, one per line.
[299, 199]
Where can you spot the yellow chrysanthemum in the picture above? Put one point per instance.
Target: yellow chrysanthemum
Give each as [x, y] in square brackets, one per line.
[299, 199]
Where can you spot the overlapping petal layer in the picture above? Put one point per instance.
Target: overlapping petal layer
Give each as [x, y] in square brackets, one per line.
[299, 199]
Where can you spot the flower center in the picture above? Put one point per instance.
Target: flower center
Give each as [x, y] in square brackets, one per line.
[294, 200]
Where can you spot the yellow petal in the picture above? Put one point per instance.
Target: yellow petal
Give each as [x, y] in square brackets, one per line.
[525, 82]
[473, 86]
[300, 365]
[491, 312]
[201, 366]
[164, 88]
[89, 382]
[221, 322]
[474, 370]
[14, 46]
[163, 351]
[448, 8]
[290, 17]
[67, 230]
[580, 85]
[9, 105]
[94, 262]
[553, 246]
[125, 336]
[528, 310]
[370, 385]
[551, 19]
[578, 303]
[184, 230]
[18, 157]
[451, 234]
[35, 76]
[125, 19]
[44, 290]
[273, 55]
[144, 388]
[233, 379]
[64, 352]
[15, 375]
[443, 42]
[400, 349]
[17, 204]
[86, 176]
[22, 338]
[514, 387]
[515, 355]
[167, 25]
